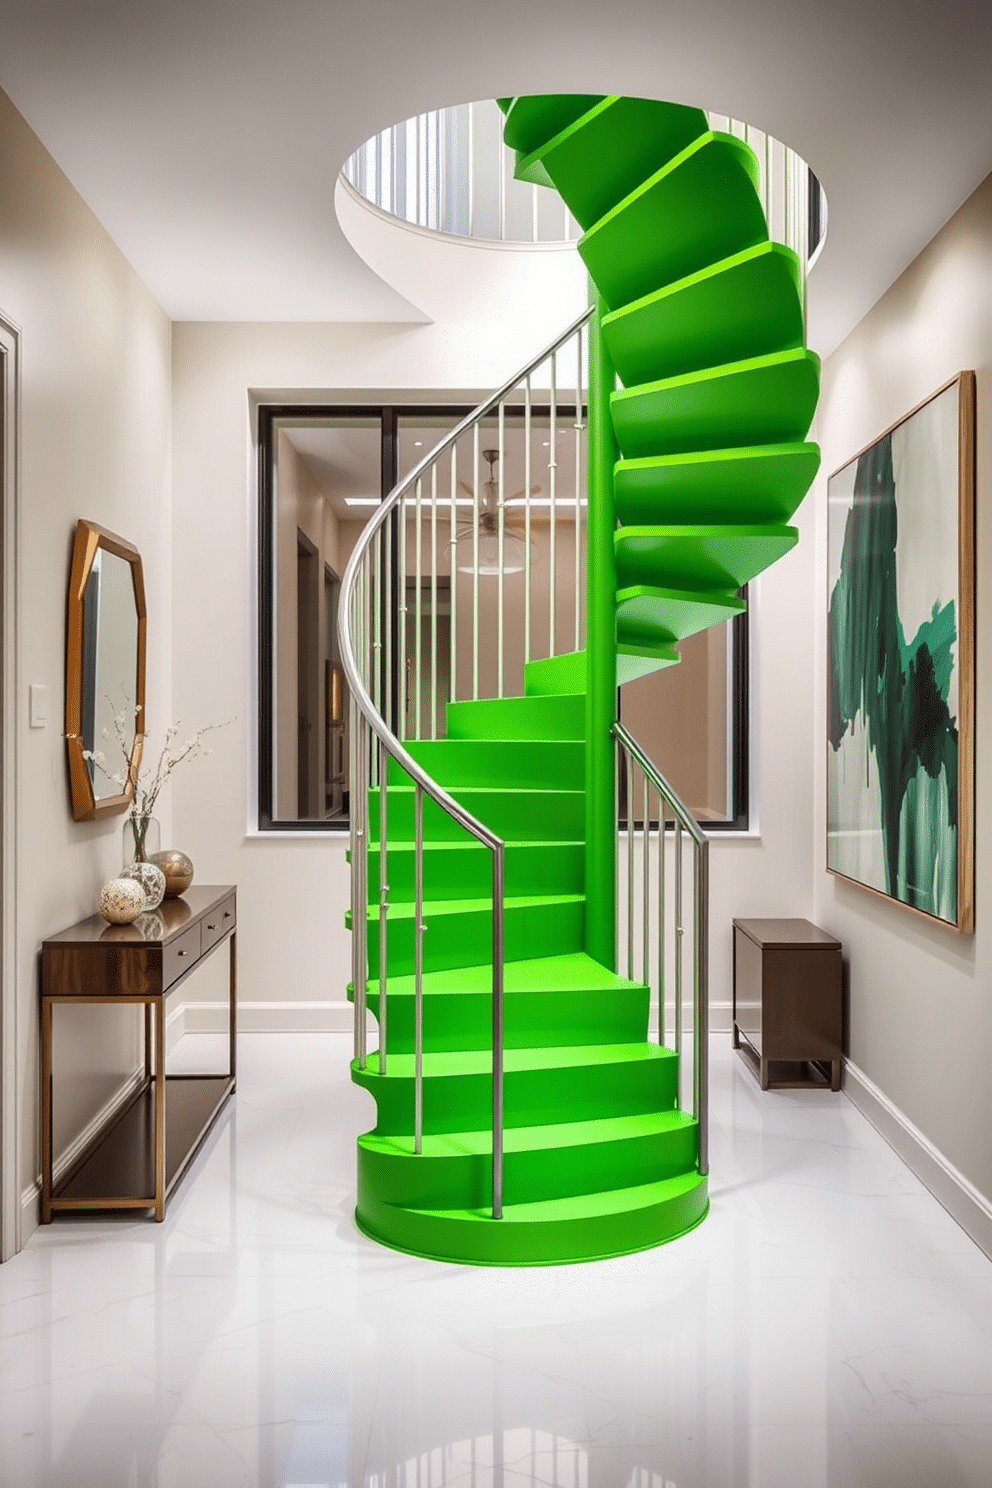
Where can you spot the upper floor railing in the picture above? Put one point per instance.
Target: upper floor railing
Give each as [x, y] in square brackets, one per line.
[449, 171]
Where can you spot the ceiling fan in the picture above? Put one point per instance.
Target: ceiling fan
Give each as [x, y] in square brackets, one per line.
[486, 523]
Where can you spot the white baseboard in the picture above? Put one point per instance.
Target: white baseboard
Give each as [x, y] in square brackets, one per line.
[269, 1017]
[963, 1201]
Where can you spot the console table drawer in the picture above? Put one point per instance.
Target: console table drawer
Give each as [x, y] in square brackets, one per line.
[213, 927]
[180, 954]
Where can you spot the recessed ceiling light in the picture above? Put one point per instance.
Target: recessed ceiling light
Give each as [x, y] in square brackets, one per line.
[418, 444]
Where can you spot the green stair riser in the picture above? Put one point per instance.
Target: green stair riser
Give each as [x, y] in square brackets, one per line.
[531, 121]
[701, 207]
[698, 557]
[532, 1020]
[523, 815]
[767, 400]
[464, 870]
[464, 1181]
[647, 615]
[757, 485]
[465, 938]
[477, 1239]
[528, 763]
[600, 158]
[532, 1097]
[559, 717]
[744, 306]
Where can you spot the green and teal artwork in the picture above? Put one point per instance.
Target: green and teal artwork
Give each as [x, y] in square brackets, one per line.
[900, 704]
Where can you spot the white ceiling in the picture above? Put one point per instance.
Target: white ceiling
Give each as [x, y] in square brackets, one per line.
[208, 138]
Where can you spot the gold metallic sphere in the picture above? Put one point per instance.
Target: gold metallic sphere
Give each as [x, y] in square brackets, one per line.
[178, 870]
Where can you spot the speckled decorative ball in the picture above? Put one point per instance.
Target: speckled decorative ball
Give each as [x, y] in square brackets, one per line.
[121, 901]
[151, 879]
[178, 870]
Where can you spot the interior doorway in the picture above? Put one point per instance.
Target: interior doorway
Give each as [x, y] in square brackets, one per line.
[9, 1189]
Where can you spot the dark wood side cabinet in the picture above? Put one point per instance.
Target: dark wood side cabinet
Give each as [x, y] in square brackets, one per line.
[788, 1002]
[139, 1155]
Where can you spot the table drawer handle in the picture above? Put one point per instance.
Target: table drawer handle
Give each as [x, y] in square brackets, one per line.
[211, 927]
[182, 953]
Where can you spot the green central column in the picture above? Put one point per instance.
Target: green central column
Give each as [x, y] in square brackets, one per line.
[601, 658]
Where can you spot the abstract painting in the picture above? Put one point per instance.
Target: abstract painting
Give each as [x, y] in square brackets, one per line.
[900, 662]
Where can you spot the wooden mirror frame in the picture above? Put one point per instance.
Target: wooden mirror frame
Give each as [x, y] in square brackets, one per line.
[89, 539]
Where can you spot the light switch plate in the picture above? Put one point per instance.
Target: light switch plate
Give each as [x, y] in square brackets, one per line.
[37, 704]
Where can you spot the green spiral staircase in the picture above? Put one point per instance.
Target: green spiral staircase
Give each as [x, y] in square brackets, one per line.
[696, 467]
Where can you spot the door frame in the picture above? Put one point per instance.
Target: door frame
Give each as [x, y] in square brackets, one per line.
[10, 1206]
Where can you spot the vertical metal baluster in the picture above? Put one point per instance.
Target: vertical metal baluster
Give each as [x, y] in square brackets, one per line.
[501, 160]
[702, 1009]
[471, 170]
[388, 601]
[383, 899]
[498, 1033]
[475, 563]
[375, 596]
[662, 911]
[420, 208]
[501, 531]
[578, 489]
[418, 600]
[418, 972]
[677, 869]
[552, 474]
[617, 767]
[434, 601]
[630, 867]
[645, 888]
[453, 574]
[401, 586]
[527, 436]
[442, 144]
[533, 213]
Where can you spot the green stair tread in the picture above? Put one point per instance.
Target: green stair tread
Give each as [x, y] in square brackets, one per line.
[724, 557]
[743, 306]
[604, 154]
[534, 118]
[750, 484]
[606, 1202]
[571, 972]
[640, 661]
[532, 1138]
[701, 207]
[763, 400]
[649, 616]
[454, 1062]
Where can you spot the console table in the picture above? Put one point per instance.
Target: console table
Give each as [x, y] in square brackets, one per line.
[788, 1002]
[139, 1155]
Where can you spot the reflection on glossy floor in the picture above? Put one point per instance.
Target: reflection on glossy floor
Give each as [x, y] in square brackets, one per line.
[827, 1325]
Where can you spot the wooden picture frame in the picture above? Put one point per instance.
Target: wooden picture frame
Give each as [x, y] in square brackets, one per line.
[901, 661]
[87, 803]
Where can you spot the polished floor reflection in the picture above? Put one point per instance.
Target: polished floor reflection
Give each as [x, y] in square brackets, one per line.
[827, 1325]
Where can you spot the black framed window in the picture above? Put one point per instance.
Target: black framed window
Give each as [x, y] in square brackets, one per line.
[322, 472]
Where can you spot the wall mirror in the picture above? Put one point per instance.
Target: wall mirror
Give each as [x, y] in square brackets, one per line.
[105, 671]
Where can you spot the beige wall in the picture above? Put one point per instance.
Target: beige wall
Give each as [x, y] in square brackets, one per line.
[921, 996]
[95, 442]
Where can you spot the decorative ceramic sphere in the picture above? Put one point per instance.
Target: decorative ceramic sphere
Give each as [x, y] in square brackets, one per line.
[121, 901]
[151, 879]
[178, 870]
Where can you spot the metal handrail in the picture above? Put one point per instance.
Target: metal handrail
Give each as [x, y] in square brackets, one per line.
[684, 821]
[357, 669]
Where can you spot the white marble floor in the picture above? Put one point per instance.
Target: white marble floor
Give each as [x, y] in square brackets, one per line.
[827, 1325]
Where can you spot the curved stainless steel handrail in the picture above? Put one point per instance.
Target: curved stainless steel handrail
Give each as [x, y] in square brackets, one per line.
[391, 746]
[358, 691]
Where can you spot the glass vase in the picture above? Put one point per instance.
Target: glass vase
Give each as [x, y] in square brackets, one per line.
[141, 839]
